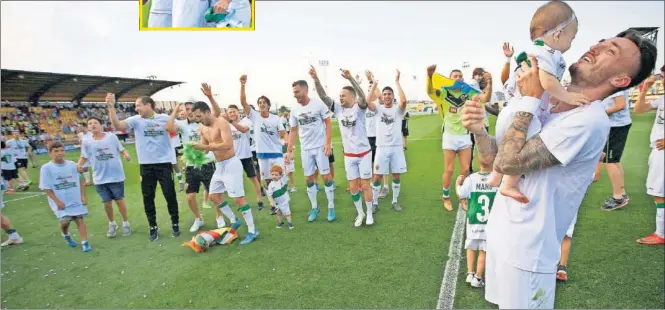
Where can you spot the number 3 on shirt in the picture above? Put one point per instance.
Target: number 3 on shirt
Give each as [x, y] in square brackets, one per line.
[484, 203]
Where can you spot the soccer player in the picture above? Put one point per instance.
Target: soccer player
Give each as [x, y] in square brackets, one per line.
[19, 146]
[480, 197]
[617, 108]
[311, 122]
[350, 113]
[240, 133]
[155, 155]
[9, 171]
[656, 176]
[216, 137]
[177, 148]
[268, 130]
[370, 127]
[84, 134]
[405, 128]
[278, 193]
[102, 151]
[60, 181]
[523, 240]
[389, 147]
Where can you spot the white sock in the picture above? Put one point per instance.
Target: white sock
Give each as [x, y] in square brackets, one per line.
[660, 222]
[14, 236]
[357, 202]
[228, 212]
[375, 193]
[125, 223]
[369, 209]
[113, 223]
[311, 193]
[220, 219]
[385, 186]
[249, 220]
[86, 175]
[330, 194]
[396, 187]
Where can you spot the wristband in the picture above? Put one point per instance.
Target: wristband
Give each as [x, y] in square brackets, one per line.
[507, 60]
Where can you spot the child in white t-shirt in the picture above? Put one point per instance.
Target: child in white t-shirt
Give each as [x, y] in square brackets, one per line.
[553, 28]
[278, 194]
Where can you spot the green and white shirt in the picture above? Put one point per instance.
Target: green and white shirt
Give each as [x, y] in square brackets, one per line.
[480, 197]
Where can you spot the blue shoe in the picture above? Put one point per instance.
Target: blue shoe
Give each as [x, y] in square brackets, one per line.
[331, 214]
[250, 238]
[70, 242]
[313, 214]
[85, 246]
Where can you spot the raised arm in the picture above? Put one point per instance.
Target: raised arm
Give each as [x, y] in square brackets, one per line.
[319, 88]
[508, 51]
[373, 93]
[430, 88]
[207, 91]
[243, 96]
[486, 94]
[360, 94]
[113, 116]
[641, 105]
[240, 125]
[400, 91]
[171, 126]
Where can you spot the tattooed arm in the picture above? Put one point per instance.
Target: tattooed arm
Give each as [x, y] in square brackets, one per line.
[486, 146]
[322, 94]
[517, 155]
[360, 94]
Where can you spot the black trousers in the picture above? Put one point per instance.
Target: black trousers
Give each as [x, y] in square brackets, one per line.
[150, 175]
[473, 146]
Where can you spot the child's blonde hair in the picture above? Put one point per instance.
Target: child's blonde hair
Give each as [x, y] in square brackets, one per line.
[548, 17]
[277, 168]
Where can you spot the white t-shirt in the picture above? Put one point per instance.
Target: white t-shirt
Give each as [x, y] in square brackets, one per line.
[153, 145]
[82, 136]
[528, 236]
[241, 139]
[266, 132]
[19, 147]
[285, 123]
[310, 121]
[279, 191]
[389, 125]
[658, 129]
[8, 159]
[65, 182]
[252, 141]
[619, 118]
[370, 123]
[189, 132]
[352, 128]
[104, 158]
[549, 60]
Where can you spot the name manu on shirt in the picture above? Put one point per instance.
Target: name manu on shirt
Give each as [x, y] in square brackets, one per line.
[483, 186]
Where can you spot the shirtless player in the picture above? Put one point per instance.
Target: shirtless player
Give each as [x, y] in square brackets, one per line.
[216, 138]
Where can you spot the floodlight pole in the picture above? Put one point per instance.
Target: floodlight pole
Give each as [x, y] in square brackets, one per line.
[324, 64]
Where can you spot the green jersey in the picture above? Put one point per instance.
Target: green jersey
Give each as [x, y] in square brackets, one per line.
[452, 102]
[480, 198]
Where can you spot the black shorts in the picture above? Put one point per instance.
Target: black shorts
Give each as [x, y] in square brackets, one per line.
[195, 177]
[405, 131]
[178, 149]
[331, 158]
[21, 163]
[10, 174]
[615, 144]
[372, 145]
[248, 166]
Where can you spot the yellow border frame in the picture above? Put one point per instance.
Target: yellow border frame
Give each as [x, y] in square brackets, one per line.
[141, 28]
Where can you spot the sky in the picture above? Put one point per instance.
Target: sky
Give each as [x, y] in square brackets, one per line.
[102, 38]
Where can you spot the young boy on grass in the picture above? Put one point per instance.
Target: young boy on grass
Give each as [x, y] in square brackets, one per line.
[9, 171]
[479, 197]
[60, 181]
[14, 237]
[278, 194]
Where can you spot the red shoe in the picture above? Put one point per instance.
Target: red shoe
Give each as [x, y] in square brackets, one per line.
[652, 239]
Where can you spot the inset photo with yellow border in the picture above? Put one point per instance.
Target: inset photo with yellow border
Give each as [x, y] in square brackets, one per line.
[192, 15]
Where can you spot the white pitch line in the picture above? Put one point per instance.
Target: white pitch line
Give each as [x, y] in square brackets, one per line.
[35, 195]
[449, 283]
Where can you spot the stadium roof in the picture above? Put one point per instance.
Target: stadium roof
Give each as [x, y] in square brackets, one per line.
[31, 86]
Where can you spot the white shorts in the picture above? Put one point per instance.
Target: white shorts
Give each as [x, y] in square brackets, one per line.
[475, 244]
[389, 159]
[513, 288]
[228, 178]
[190, 13]
[571, 229]
[313, 159]
[284, 208]
[266, 163]
[160, 20]
[358, 167]
[656, 176]
[291, 166]
[455, 142]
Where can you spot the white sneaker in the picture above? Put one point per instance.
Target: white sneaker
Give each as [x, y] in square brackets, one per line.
[11, 241]
[470, 276]
[359, 220]
[196, 226]
[477, 282]
[293, 189]
[370, 219]
[112, 230]
[220, 222]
